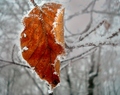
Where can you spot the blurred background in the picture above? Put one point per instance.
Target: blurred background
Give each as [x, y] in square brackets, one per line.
[92, 42]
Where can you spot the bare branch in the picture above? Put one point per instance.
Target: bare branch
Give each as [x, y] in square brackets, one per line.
[91, 18]
[100, 44]
[105, 12]
[14, 63]
[93, 44]
[68, 30]
[13, 53]
[83, 11]
[114, 34]
[33, 2]
[78, 56]
[81, 38]
[72, 16]
[86, 35]
[89, 5]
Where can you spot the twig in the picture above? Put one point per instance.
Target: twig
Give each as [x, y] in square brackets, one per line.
[13, 53]
[88, 6]
[73, 15]
[87, 33]
[100, 44]
[82, 38]
[79, 55]
[66, 64]
[105, 12]
[15, 63]
[33, 2]
[4, 65]
[78, 13]
[92, 44]
[91, 19]
[114, 34]
[68, 30]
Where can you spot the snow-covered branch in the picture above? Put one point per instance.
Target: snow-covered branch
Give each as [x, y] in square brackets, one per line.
[79, 56]
[6, 63]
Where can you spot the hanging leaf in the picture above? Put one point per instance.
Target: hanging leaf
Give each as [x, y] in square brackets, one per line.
[42, 41]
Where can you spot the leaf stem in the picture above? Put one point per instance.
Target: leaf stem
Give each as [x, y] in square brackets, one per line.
[33, 2]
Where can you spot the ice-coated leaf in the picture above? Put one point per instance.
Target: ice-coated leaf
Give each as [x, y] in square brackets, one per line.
[43, 36]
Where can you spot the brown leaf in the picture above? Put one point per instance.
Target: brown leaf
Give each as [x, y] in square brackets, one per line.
[42, 40]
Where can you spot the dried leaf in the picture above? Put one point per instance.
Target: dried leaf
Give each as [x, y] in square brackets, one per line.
[42, 41]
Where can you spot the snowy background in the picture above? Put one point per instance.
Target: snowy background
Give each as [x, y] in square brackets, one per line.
[92, 40]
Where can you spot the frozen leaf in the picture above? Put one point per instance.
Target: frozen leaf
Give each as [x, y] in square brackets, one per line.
[45, 41]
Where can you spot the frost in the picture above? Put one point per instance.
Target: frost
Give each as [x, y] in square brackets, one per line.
[55, 73]
[48, 8]
[59, 11]
[50, 91]
[24, 48]
[24, 35]
[54, 24]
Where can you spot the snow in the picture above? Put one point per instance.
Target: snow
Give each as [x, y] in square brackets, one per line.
[25, 49]
[59, 11]
[54, 24]
[32, 70]
[55, 73]
[97, 38]
[24, 35]
[50, 91]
